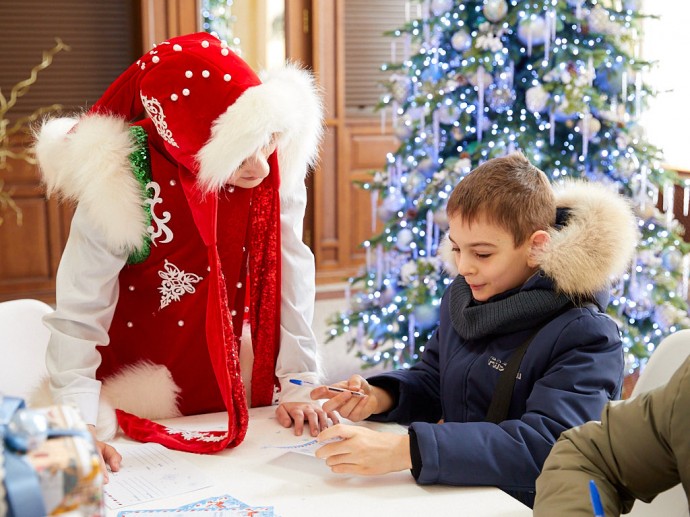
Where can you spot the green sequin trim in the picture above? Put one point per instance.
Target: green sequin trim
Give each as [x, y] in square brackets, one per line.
[141, 168]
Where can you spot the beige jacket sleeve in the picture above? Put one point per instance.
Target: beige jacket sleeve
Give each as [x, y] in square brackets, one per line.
[639, 449]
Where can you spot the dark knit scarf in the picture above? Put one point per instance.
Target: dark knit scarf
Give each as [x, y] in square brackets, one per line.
[519, 310]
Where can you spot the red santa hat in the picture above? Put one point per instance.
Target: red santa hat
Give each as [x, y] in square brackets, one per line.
[208, 106]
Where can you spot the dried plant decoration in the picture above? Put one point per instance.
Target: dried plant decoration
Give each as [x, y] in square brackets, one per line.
[21, 125]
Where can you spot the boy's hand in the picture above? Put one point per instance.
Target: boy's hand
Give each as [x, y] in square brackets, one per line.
[300, 412]
[107, 455]
[353, 407]
[363, 451]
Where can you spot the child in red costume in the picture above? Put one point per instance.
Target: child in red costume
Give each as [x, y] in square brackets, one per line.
[187, 228]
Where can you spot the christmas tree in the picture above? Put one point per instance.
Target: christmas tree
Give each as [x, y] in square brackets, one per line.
[563, 82]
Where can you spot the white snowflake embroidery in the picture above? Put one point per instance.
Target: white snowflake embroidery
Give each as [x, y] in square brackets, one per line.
[175, 283]
[200, 436]
[161, 221]
[155, 110]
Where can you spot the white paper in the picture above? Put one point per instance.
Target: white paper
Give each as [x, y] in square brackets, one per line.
[307, 448]
[149, 471]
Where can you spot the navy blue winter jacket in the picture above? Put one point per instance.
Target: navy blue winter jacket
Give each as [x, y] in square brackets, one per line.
[573, 366]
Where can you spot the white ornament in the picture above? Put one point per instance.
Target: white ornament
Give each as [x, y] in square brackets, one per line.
[426, 166]
[532, 31]
[394, 202]
[593, 127]
[461, 40]
[439, 7]
[447, 114]
[599, 20]
[399, 87]
[404, 238]
[536, 99]
[495, 10]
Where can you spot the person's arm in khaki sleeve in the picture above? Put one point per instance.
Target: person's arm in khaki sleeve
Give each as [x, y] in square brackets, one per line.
[638, 450]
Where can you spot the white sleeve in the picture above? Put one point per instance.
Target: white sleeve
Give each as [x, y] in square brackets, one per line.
[86, 296]
[297, 356]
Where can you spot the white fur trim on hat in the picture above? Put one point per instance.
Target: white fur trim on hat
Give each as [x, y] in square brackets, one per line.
[288, 104]
[88, 163]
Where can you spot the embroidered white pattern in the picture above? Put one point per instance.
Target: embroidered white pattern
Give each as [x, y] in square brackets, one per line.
[175, 283]
[161, 221]
[155, 110]
[200, 436]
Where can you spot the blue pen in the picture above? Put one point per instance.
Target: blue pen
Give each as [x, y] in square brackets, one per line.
[330, 388]
[596, 499]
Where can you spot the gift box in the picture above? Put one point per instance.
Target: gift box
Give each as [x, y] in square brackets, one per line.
[49, 464]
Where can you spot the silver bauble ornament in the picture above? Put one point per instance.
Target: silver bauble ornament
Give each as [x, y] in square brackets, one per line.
[415, 182]
[426, 166]
[384, 214]
[593, 127]
[672, 259]
[532, 31]
[404, 239]
[500, 98]
[394, 201]
[400, 87]
[449, 113]
[461, 40]
[439, 7]
[639, 309]
[598, 19]
[495, 10]
[627, 166]
[536, 99]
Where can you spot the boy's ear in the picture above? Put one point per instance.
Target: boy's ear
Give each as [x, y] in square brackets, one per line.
[538, 240]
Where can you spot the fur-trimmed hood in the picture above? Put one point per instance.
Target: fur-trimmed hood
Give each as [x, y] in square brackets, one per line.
[592, 249]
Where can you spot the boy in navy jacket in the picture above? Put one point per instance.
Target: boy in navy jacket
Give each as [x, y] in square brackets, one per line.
[532, 265]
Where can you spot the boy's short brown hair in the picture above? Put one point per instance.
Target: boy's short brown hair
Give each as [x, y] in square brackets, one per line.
[510, 192]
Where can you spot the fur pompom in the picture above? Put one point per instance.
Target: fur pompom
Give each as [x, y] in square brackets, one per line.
[87, 161]
[144, 389]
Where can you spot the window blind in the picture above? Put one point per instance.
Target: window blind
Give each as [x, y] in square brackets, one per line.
[366, 49]
[104, 37]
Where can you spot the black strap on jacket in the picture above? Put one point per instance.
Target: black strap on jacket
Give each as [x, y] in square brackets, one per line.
[503, 394]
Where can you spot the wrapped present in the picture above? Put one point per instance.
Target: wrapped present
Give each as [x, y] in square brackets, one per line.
[49, 464]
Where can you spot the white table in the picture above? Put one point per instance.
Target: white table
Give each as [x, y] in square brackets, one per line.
[297, 485]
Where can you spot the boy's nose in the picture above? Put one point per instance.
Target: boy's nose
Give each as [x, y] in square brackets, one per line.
[465, 267]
